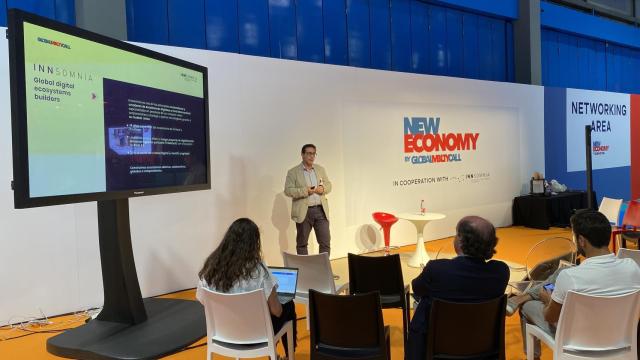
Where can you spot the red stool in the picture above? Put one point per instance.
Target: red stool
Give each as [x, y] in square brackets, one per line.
[385, 220]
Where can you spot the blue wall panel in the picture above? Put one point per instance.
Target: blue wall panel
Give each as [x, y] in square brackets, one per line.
[148, 21]
[3, 12]
[471, 65]
[582, 24]
[500, 8]
[578, 62]
[41, 7]
[310, 30]
[430, 37]
[485, 51]
[253, 27]
[358, 34]
[283, 33]
[380, 27]
[66, 11]
[455, 43]
[221, 19]
[546, 42]
[60, 10]
[335, 32]
[187, 23]
[498, 51]
[614, 65]
[599, 66]
[401, 35]
[437, 34]
[419, 37]
[583, 60]
[511, 69]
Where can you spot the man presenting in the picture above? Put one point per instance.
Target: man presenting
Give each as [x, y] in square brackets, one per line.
[307, 184]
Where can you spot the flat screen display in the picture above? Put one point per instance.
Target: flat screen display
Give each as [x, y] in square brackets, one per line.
[95, 118]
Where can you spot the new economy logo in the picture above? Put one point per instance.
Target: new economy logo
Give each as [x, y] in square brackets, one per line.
[429, 145]
[599, 148]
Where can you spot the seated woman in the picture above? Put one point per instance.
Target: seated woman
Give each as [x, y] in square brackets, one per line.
[236, 266]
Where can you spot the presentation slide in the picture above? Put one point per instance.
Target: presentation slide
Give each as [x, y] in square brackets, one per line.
[104, 119]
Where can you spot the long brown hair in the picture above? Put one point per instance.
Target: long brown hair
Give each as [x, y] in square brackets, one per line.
[236, 258]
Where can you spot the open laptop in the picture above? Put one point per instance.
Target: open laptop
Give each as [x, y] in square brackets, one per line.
[287, 279]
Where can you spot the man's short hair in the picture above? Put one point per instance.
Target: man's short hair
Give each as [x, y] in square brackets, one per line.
[305, 146]
[477, 237]
[593, 226]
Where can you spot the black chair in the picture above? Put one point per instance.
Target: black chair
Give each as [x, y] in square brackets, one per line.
[382, 274]
[347, 327]
[466, 330]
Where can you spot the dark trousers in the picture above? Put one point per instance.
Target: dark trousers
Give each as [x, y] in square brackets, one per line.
[416, 347]
[288, 313]
[317, 220]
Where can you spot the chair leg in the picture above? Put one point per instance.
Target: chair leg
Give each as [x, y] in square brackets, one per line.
[405, 323]
[530, 346]
[290, 347]
[306, 306]
[388, 347]
[406, 317]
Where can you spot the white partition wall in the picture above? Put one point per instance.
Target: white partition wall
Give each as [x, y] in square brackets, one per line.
[262, 111]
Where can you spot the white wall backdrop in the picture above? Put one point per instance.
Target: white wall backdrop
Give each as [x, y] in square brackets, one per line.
[262, 110]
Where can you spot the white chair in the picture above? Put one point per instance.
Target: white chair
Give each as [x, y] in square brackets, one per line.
[611, 209]
[314, 272]
[592, 327]
[239, 325]
[629, 253]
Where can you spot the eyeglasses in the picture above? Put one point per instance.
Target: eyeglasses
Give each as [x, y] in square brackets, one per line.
[311, 153]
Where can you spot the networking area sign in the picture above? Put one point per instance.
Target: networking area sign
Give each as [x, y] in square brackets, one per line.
[609, 117]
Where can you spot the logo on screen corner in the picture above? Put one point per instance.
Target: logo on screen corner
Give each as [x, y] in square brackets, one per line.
[188, 77]
[54, 43]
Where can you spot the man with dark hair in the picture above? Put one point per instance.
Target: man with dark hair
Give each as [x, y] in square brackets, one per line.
[601, 273]
[307, 184]
[470, 277]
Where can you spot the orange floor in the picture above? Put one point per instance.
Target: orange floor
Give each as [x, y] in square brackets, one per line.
[513, 246]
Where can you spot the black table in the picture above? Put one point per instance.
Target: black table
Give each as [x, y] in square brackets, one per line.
[541, 212]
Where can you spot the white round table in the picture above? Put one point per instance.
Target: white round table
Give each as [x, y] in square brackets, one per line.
[420, 257]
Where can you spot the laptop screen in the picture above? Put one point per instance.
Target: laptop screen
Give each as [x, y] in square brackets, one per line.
[286, 278]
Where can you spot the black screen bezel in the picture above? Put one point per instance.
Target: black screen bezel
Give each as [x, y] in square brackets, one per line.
[22, 198]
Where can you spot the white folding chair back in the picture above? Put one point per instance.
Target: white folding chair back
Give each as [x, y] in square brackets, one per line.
[629, 253]
[239, 325]
[611, 209]
[314, 272]
[593, 327]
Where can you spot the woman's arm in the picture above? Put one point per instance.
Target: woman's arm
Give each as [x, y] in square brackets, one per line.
[275, 308]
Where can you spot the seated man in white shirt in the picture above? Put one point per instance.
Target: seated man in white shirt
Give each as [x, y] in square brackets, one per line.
[601, 273]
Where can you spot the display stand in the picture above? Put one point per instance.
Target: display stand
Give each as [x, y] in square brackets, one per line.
[128, 327]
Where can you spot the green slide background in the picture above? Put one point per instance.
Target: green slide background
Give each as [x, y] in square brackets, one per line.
[66, 138]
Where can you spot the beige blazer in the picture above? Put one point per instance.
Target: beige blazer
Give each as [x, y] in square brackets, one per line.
[295, 187]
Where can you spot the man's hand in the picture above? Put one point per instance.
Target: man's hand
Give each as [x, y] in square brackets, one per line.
[545, 296]
[310, 190]
[319, 189]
